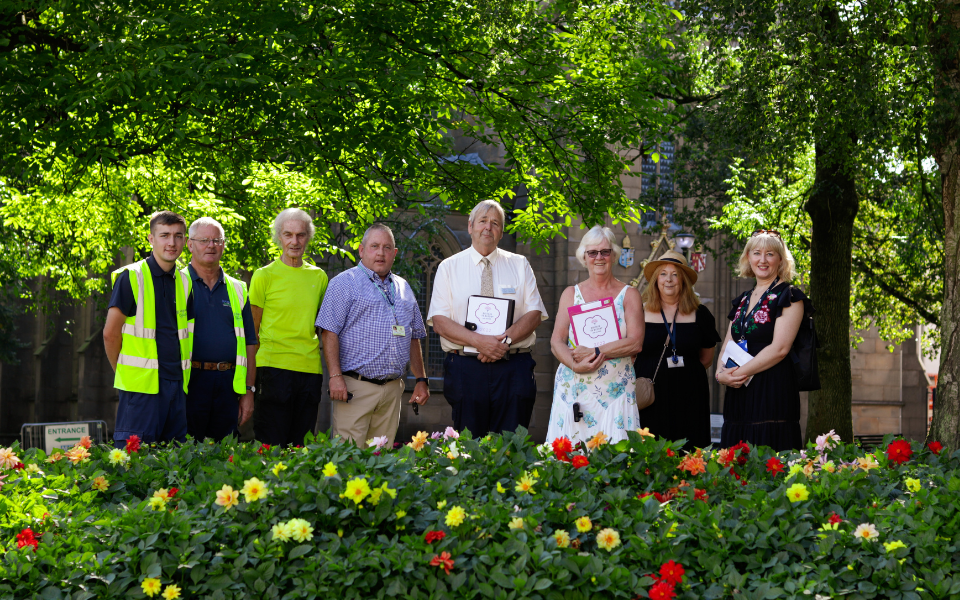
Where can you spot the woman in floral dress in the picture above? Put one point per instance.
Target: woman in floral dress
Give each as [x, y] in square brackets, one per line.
[601, 381]
[765, 320]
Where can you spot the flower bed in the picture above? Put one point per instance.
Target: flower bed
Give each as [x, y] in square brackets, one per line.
[495, 518]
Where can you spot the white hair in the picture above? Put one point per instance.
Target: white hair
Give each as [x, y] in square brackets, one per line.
[203, 221]
[292, 214]
[593, 237]
[483, 207]
[377, 227]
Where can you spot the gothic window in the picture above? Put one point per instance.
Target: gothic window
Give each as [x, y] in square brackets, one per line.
[433, 355]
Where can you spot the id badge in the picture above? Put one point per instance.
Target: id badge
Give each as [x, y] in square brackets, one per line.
[743, 344]
[399, 330]
[674, 365]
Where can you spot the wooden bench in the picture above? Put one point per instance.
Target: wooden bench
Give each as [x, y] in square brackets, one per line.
[873, 440]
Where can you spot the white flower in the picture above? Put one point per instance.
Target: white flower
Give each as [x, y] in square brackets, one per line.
[827, 441]
[866, 531]
[378, 442]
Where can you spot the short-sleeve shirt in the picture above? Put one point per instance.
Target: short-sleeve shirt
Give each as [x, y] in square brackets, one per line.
[458, 278]
[290, 298]
[213, 337]
[165, 297]
[361, 308]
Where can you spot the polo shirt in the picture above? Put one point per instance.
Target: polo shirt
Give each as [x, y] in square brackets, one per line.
[213, 336]
[458, 278]
[165, 297]
[290, 298]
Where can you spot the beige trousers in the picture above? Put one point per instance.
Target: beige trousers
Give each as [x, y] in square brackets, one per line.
[373, 412]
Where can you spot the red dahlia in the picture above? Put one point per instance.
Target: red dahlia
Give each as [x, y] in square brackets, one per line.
[899, 451]
[561, 447]
[133, 444]
[434, 536]
[774, 466]
[671, 572]
[935, 447]
[662, 590]
[580, 461]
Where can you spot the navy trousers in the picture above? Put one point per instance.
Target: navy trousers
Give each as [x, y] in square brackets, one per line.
[160, 417]
[287, 405]
[489, 397]
[213, 409]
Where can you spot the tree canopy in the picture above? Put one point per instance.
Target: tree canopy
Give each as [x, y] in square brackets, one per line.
[237, 109]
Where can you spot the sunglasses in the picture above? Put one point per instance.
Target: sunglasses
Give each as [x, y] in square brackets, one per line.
[595, 253]
[766, 231]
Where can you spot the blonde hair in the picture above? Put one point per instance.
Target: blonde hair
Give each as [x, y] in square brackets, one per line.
[689, 302]
[766, 241]
[593, 237]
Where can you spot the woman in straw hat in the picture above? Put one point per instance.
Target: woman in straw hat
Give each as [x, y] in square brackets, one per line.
[676, 319]
[600, 380]
[764, 321]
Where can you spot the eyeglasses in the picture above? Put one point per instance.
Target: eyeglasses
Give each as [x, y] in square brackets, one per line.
[766, 231]
[205, 241]
[595, 253]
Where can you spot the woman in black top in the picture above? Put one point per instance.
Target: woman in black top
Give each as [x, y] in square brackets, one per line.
[764, 321]
[672, 310]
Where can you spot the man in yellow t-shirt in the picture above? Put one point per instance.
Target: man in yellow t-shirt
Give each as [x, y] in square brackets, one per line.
[284, 296]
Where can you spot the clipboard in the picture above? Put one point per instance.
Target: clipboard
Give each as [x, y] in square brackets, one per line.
[488, 315]
[595, 323]
[735, 356]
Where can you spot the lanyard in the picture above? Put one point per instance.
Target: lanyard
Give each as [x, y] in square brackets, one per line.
[393, 308]
[746, 315]
[672, 333]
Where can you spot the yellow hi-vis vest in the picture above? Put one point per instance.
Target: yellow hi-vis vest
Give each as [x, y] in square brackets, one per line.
[138, 367]
[237, 291]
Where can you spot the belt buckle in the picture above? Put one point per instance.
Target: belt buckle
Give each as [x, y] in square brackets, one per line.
[221, 363]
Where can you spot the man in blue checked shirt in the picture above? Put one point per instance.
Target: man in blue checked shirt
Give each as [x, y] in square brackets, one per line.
[371, 327]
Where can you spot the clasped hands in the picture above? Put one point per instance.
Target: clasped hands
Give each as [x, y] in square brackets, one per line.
[730, 377]
[492, 347]
[586, 359]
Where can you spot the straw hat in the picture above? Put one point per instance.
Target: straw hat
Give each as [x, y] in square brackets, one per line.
[670, 258]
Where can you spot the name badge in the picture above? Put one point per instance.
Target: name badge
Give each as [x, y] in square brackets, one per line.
[674, 365]
[399, 330]
[507, 289]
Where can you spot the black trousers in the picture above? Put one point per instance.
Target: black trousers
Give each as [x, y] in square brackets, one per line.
[212, 405]
[287, 403]
[490, 397]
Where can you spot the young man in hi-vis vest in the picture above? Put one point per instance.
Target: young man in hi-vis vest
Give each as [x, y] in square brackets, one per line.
[224, 342]
[148, 338]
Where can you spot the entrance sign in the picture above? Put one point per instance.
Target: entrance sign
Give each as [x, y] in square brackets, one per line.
[64, 435]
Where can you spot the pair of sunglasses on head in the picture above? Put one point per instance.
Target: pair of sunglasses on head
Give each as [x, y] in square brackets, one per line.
[765, 231]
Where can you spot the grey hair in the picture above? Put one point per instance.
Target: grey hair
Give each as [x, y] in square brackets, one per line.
[294, 214]
[377, 227]
[198, 223]
[483, 207]
[593, 237]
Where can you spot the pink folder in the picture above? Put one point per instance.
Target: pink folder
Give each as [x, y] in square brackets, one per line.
[595, 323]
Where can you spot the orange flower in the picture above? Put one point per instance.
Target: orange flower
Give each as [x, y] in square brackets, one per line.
[85, 442]
[444, 561]
[597, 440]
[693, 463]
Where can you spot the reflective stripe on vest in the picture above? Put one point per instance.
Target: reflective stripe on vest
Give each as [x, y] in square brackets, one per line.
[237, 291]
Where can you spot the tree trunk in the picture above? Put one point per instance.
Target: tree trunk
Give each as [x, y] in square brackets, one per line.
[832, 206]
[944, 132]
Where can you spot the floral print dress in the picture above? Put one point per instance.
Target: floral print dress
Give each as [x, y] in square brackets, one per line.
[607, 397]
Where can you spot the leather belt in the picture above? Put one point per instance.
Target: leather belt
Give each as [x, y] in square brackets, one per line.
[212, 366]
[510, 351]
[359, 377]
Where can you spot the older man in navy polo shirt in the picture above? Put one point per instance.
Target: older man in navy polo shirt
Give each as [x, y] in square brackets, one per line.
[221, 387]
[372, 328]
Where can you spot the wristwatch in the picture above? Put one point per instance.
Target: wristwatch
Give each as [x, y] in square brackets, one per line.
[252, 388]
[508, 341]
[423, 379]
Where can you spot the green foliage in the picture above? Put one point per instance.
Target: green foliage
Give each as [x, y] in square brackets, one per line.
[745, 537]
[237, 109]
[793, 88]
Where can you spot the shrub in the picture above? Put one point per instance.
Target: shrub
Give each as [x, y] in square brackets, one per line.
[493, 518]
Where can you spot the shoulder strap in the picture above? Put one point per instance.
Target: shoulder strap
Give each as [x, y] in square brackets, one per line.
[660, 360]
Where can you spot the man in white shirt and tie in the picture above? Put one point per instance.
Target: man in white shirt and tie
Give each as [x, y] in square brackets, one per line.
[495, 390]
